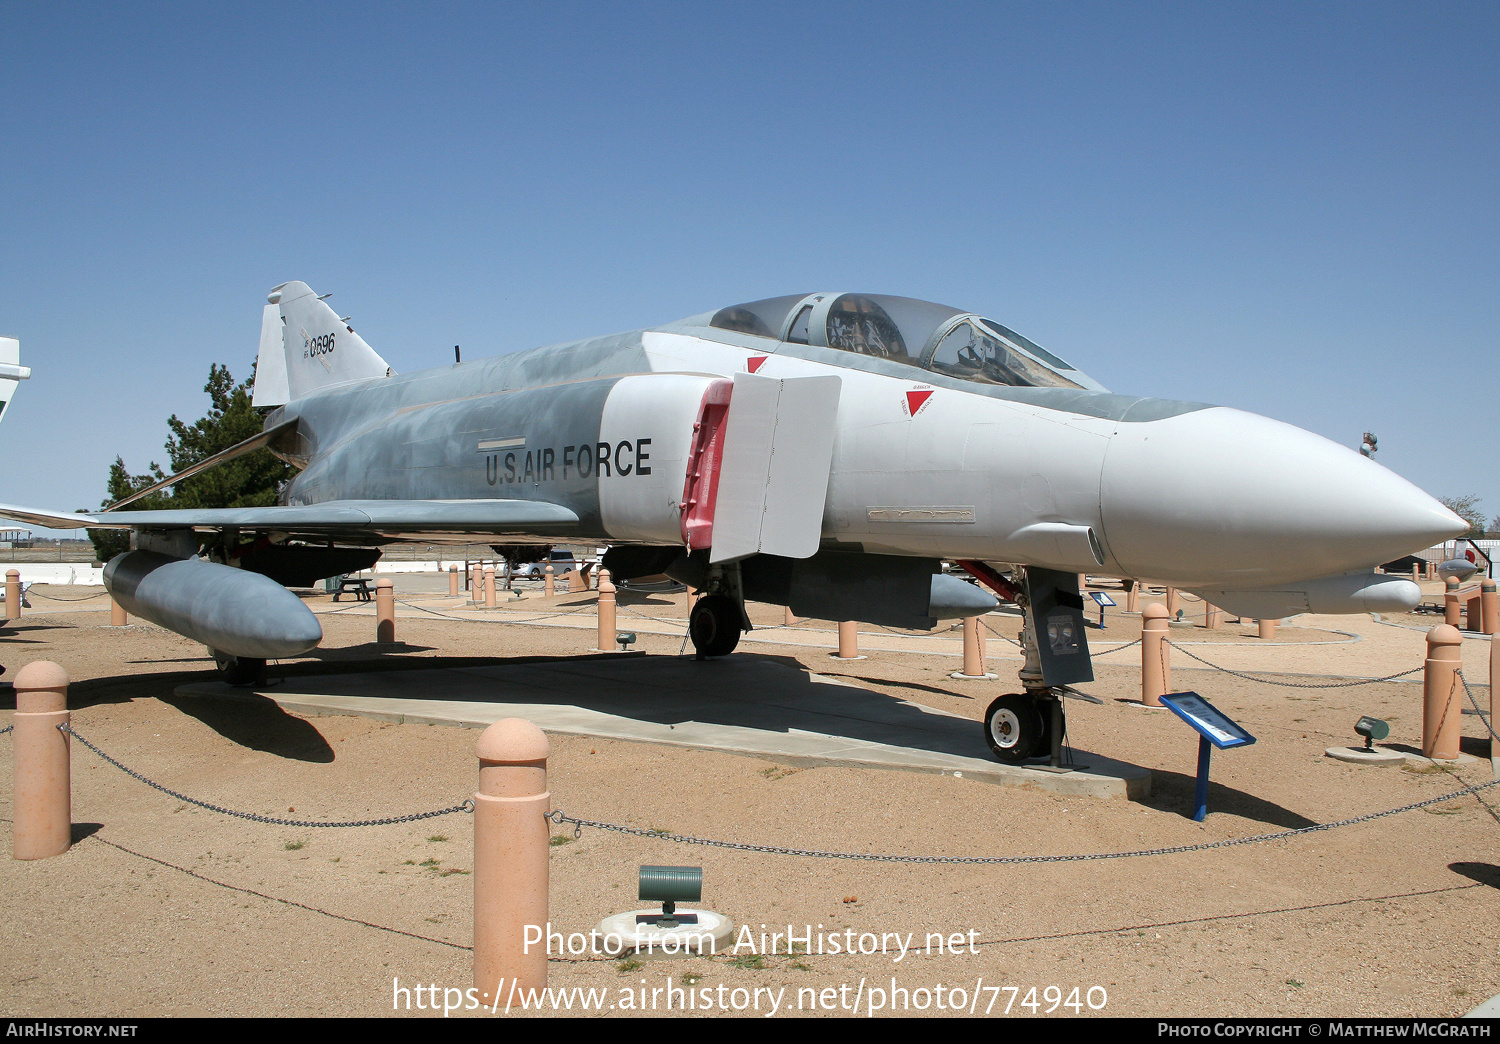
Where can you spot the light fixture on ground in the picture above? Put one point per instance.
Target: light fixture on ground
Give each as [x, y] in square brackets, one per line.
[668, 932]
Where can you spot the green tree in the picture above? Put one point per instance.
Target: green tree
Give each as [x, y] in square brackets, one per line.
[1466, 507]
[519, 555]
[248, 481]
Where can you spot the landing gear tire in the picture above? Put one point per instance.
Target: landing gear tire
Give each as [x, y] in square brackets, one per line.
[239, 671]
[714, 625]
[1013, 728]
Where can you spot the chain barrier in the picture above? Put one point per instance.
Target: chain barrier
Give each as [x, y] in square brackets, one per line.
[6, 729]
[507, 619]
[559, 817]
[467, 806]
[1292, 685]
[1489, 725]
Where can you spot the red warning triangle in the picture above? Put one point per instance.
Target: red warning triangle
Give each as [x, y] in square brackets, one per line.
[754, 362]
[915, 400]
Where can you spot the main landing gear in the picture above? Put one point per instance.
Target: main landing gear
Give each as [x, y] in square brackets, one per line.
[240, 671]
[718, 617]
[714, 625]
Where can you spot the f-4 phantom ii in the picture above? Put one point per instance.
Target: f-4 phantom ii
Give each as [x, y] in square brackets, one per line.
[826, 452]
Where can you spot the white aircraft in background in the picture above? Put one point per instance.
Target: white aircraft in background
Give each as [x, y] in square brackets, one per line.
[12, 373]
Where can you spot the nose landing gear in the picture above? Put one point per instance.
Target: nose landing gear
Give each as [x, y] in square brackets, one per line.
[1024, 725]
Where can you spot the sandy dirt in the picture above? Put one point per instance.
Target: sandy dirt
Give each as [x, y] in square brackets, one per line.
[163, 908]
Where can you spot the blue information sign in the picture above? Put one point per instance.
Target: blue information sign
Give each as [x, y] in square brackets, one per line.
[1215, 729]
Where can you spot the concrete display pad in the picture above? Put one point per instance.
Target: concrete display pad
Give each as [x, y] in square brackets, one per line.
[743, 704]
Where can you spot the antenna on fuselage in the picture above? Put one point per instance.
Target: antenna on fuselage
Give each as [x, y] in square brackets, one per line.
[456, 356]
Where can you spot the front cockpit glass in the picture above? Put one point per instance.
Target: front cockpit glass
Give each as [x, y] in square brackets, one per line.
[857, 324]
[975, 354]
[758, 318]
[1026, 345]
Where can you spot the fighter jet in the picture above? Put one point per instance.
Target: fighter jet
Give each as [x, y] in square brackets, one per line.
[823, 451]
[12, 373]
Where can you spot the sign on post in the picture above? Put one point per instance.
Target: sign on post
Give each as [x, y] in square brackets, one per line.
[1215, 729]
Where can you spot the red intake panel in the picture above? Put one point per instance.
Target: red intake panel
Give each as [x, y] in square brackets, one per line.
[701, 489]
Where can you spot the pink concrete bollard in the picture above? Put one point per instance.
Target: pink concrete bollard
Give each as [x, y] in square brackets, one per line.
[117, 617]
[549, 582]
[1442, 698]
[1133, 598]
[385, 610]
[1267, 628]
[13, 594]
[489, 587]
[1156, 668]
[848, 640]
[973, 648]
[1213, 616]
[607, 627]
[1489, 607]
[1494, 706]
[1450, 603]
[452, 581]
[1174, 602]
[42, 796]
[510, 861]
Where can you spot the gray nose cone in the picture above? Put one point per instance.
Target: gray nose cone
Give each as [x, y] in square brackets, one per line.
[1227, 498]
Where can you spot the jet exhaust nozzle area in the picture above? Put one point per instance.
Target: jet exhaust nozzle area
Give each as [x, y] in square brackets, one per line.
[231, 610]
[1344, 595]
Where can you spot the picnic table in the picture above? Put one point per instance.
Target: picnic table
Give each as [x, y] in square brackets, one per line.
[358, 586]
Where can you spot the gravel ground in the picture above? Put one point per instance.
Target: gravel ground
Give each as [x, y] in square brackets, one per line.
[162, 908]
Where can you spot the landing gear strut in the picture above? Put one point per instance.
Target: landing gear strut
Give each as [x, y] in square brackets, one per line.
[1030, 724]
[718, 617]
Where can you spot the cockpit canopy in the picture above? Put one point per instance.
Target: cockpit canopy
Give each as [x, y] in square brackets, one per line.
[918, 333]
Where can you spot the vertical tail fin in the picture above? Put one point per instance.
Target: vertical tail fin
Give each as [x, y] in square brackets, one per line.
[12, 373]
[318, 349]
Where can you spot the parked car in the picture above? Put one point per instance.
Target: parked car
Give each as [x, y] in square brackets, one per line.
[561, 562]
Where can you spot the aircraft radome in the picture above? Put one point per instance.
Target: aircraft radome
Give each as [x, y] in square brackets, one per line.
[822, 451]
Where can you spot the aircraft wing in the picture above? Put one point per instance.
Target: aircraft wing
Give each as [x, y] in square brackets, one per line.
[349, 521]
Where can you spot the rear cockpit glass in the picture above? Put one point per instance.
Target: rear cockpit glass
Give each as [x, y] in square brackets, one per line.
[858, 324]
[798, 332]
[975, 354]
[758, 318]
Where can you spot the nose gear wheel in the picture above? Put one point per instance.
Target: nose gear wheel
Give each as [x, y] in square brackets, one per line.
[1014, 728]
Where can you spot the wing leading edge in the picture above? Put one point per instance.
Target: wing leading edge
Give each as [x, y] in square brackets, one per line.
[347, 520]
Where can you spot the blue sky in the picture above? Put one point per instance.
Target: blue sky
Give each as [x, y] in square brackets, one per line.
[1287, 208]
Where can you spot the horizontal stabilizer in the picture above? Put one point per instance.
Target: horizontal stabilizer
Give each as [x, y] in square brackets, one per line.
[239, 449]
